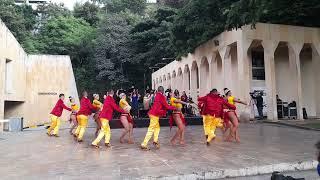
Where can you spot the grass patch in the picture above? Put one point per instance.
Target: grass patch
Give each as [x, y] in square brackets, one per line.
[312, 125]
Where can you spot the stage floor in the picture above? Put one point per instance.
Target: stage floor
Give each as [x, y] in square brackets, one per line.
[264, 147]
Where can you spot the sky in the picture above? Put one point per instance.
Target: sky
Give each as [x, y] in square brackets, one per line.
[68, 3]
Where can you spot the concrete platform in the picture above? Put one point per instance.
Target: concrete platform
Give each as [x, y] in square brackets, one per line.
[264, 148]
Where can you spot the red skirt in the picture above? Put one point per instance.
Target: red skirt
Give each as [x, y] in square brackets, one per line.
[226, 118]
[129, 117]
[171, 120]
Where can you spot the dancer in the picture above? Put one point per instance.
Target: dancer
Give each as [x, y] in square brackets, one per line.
[230, 115]
[204, 123]
[158, 109]
[126, 119]
[178, 117]
[97, 105]
[73, 115]
[55, 115]
[105, 116]
[83, 114]
[213, 108]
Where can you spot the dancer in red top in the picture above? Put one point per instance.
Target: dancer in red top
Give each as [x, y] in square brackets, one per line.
[109, 106]
[213, 112]
[55, 115]
[86, 110]
[158, 109]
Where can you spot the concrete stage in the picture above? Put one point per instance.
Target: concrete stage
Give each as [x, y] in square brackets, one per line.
[264, 148]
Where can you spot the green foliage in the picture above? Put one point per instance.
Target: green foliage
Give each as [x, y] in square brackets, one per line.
[116, 6]
[19, 19]
[112, 50]
[200, 20]
[89, 11]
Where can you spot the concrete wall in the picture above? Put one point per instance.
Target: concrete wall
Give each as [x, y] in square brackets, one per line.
[35, 81]
[47, 77]
[229, 59]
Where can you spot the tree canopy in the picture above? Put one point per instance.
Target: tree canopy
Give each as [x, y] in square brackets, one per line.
[113, 43]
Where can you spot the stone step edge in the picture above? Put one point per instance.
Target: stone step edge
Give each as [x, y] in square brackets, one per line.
[242, 172]
[290, 125]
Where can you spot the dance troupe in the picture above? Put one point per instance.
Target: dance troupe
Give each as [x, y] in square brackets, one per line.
[217, 112]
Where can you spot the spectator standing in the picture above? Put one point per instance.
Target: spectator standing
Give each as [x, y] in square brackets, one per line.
[318, 147]
[184, 98]
[135, 103]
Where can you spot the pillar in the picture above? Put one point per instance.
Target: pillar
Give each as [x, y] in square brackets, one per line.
[244, 69]
[225, 54]
[316, 61]
[294, 59]
[2, 90]
[269, 63]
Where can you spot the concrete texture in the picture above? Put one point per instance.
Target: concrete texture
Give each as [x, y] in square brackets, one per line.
[291, 62]
[30, 84]
[264, 148]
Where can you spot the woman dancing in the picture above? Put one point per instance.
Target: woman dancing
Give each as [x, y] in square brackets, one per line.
[126, 119]
[98, 105]
[231, 116]
[177, 117]
[73, 115]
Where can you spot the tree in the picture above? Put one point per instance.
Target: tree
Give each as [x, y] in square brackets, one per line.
[116, 6]
[89, 11]
[151, 42]
[112, 51]
[20, 20]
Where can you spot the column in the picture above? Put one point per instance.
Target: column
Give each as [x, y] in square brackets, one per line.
[244, 69]
[316, 63]
[225, 54]
[2, 94]
[269, 49]
[294, 59]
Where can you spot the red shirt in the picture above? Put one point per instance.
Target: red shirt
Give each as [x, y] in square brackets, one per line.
[58, 108]
[160, 106]
[109, 105]
[214, 104]
[86, 107]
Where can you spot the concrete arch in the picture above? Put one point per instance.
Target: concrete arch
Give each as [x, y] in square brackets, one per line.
[217, 80]
[194, 80]
[180, 80]
[168, 81]
[204, 76]
[164, 81]
[174, 80]
[186, 79]
[286, 81]
[160, 81]
[309, 65]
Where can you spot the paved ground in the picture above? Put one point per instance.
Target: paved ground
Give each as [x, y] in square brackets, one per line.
[33, 155]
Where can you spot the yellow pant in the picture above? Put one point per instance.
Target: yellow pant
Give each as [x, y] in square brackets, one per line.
[105, 131]
[82, 125]
[210, 125]
[153, 129]
[55, 125]
[206, 125]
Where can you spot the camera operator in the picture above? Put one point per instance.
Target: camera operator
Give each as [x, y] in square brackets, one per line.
[259, 103]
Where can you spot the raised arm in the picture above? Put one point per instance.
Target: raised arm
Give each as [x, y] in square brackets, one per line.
[202, 99]
[116, 107]
[230, 106]
[239, 101]
[166, 105]
[179, 101]
[65, 107]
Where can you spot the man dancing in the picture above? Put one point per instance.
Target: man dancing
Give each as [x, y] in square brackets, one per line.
[158, 109]
[213, 109]
[105, 116]
[55, 115]
[86, 109]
